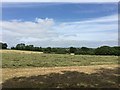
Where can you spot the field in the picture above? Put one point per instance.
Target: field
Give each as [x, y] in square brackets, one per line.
[39, 70]
[16, 59]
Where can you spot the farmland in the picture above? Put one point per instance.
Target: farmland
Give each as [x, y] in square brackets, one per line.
[16, 59]
[36, 69]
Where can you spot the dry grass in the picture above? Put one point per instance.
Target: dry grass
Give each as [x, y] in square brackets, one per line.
[19, 51]
[61, 77]
[10, 73]
[27, 69]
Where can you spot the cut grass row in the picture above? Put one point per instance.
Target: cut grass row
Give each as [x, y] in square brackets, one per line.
[22, 59]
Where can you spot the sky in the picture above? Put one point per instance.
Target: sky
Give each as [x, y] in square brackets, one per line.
[85, 1]
[60, 24]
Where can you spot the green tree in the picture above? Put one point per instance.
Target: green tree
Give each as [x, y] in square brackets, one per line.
[40, 49]
[105, 50]
[47, 50]
[20, 46]
[29, 47]
[84, 49]
[72, 49]
[117, 48]
[3, 45]
[61, 51]
[13, 48]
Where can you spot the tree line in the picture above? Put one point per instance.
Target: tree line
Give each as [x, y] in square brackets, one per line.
[103, 50]
[3, 45]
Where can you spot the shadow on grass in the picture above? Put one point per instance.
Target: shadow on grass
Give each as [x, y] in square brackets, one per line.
[105, 78]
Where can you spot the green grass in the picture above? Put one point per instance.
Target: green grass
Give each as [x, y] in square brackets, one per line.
[16, 60]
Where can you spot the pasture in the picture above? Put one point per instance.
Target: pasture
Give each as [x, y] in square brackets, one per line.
[17, 59]
[23, 69]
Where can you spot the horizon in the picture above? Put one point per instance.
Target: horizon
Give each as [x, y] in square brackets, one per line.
[57, 47]
[60, 24]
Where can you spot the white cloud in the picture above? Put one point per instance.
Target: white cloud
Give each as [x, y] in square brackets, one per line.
[105, 19]
[45, 22]
[105, 28]
[35, 29]
[47, 32]
[29, 39]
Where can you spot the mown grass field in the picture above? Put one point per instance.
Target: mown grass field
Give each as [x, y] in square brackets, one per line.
[26, 69]
[16, 59]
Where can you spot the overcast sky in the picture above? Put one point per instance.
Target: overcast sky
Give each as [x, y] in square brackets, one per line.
[60, 24]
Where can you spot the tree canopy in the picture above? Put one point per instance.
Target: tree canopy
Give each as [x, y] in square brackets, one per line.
[103, 50]
[3, 45]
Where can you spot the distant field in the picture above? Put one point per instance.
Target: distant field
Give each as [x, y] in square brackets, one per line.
[16, 59]
[27, 69]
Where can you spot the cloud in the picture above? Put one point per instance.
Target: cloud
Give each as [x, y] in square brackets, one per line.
[29, 39]
[105, 28]
[45, 22]
[48, 32]
[40, 28]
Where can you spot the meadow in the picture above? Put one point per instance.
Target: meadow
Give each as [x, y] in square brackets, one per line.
[28, 69]
[16, 59]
